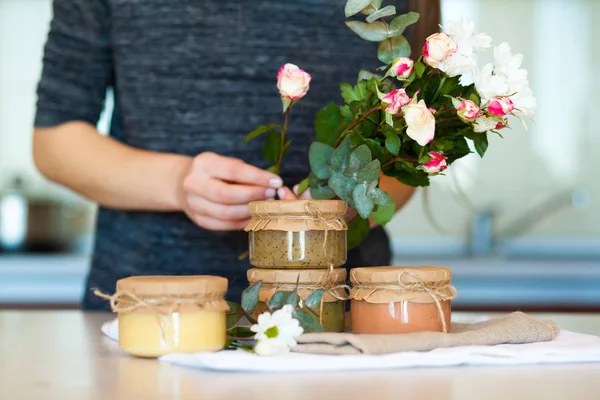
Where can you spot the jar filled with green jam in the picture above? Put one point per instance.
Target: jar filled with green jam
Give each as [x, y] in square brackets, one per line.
[331, 311]
[297, 234]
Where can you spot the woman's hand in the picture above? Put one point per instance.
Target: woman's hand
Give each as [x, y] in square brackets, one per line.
[217, 189]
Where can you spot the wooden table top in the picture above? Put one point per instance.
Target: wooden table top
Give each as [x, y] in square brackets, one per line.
[62, 355]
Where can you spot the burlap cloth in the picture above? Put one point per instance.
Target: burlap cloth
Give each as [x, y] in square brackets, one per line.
[515, 328]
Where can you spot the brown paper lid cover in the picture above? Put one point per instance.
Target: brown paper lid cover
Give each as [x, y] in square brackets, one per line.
[297, 215]
[173, 286]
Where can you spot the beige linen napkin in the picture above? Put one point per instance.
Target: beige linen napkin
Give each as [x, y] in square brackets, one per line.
[515, 328]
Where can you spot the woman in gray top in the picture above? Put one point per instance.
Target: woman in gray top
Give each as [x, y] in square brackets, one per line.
[190, 79]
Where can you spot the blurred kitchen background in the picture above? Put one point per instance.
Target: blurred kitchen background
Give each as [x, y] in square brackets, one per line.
[520, 229]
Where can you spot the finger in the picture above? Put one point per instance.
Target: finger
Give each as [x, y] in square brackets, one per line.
[235, 170]
[218, 225]
[285, 193]
[203, 207]
[221, 192]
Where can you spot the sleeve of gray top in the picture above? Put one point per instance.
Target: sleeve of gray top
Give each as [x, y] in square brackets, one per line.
[77, 63]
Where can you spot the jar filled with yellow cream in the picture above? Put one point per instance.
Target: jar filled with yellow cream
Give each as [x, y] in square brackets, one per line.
[170, 314]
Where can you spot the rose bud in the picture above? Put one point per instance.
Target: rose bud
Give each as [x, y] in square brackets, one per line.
[403, 67]
[467, 111]
[500, 106]
[395, 100]
[292, 82]
[438, 48]
[436, 165]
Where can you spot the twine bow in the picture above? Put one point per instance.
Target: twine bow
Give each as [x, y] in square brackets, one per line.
[438, 291]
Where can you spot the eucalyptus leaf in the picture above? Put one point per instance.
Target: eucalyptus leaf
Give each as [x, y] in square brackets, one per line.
[250, 296]
[392, 48]
[359, 159]
[314, 300]
[393, 143]
[370, 172]
[272, 147]
[259, 131]
[342, 186]
[375, 32]
[363, 203]
[358, 230]
[329, 123]
[234, 314]
[319, 156]
[341, 155]
[279, 299]
[322, 193]
[399, 24]
[353, 7]
[380, 197]
[369, 10]
[383, 214]
[383, 12]
[307, 321]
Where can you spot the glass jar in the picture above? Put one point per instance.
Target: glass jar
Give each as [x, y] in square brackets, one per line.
[297, 234]
[401, 299]
[171, 314]
[331, 311]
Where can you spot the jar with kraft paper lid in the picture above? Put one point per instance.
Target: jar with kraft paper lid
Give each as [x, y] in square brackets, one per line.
[297, 234]
[401, 299]
[165, 314]
[331, 309]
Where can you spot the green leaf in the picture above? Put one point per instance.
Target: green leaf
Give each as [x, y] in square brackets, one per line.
[376, 149]
[380, 197]
[302, 186]
[259, 131]
[319, 156]
[307, 321]
[383, 214]
[346, 113]
[355, 6]
[234, 314]
[322, 193]
[274, 169]
[419, 68]
[359, 159]
[481, 143]
[342, 186]
[314, 300]
[358, 230]
[370, 172]
[341, 155]
[286, 103]
[392, 143]
[272, 147]
[364, 204]
[399, 24]
[365, 75]
[328, 124]
[375, 32]
[393, 48]
[409, 175]
[240, 332]
[383, 12]
[250, 296]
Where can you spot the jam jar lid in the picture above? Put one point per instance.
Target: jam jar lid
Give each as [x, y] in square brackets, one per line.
[173, 286]
[297, 215]
[393, 284]
[332, 281]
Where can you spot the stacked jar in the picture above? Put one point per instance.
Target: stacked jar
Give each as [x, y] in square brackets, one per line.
[301, 244]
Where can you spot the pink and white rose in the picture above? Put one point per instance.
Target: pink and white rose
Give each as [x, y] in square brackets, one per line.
[420, 122]
[436, 165]
[500, 106]
[438, 47]
[467, 111]
[403, 67]
[292, 82]
[395, 100]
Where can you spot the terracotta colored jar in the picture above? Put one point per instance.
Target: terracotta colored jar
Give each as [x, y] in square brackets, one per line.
[331, 311]
[297, 234]
[164, 314]
[401, 299]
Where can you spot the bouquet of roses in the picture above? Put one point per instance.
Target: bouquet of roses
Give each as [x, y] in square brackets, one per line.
[412, 120]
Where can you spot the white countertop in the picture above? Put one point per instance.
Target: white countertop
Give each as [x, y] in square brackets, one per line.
[62, 355]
